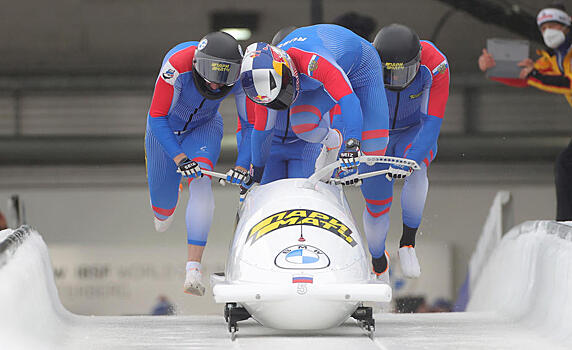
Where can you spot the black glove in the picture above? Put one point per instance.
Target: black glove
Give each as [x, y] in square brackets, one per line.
[349, 158]
[189, 168]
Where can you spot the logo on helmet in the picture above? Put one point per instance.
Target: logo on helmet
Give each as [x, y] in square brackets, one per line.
[262, 98]
[277, 54]
[394, 65]
[202, 44]
[252, 54]
[220, 67]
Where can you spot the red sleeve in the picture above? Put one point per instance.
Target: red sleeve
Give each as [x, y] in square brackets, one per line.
[180, 62]
[511, 81]
[261, 115]
[317, 67]
[437, 63]
[238, 125]
[250, 109]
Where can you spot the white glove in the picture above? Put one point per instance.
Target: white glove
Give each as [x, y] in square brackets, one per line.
[398, 172]
[189, 168]
[236, 176]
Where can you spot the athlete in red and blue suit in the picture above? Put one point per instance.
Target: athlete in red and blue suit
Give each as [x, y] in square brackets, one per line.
[184, 133]
[416, 76]
[313, 69]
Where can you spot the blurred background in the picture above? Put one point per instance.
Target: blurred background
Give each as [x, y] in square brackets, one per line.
[76, 80]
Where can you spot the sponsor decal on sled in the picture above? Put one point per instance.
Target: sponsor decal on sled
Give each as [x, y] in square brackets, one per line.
[302, 257]
[300, 217]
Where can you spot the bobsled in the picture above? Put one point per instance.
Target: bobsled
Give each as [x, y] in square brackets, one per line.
[297, 260]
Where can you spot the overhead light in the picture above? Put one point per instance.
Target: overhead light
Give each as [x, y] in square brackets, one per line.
[238, 33]
[241, 25]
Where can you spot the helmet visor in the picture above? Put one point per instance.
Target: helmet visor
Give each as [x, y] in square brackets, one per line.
[215, 70]
[399, 75]
[286, 95]
[284, 99]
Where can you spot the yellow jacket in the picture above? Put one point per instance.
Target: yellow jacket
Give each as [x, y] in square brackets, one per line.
[547, 76]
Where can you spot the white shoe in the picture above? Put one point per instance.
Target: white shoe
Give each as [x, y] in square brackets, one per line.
[328, 155]
[409, 263]
[163, 225]
[193, 282]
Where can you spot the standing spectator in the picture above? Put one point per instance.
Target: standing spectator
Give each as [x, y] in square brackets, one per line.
[552, 72]
[163, 307]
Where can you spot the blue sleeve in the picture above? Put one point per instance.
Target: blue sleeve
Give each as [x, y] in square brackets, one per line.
[261, 143]
[162, 131]
[351, 119]
[425, 139]
[244, 145]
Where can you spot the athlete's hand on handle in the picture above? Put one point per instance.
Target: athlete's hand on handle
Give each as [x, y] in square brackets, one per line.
[398, 172]
[245, 185]
[350, 177]
[189, 168]
[236, 175]
[349, 159]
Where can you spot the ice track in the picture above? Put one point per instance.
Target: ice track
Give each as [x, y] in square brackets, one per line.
[522, 301]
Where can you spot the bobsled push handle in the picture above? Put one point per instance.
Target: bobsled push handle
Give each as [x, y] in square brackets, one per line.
[369, 160]
[220, 176]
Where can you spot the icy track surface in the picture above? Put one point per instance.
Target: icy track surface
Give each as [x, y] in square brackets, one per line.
[521, 301]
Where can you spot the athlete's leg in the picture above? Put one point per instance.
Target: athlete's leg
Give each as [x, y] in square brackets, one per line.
[413, 197]
[163, 182]
[378, 195]
[375, 135]
[275, 168]
[415, 187]
[302, 158]
[202, 144]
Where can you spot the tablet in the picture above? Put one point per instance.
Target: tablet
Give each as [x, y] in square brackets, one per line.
[507, 53]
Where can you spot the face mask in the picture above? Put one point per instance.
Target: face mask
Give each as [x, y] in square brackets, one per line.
[553, 37]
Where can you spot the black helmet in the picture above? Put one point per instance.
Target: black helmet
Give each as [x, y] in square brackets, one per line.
[400, 52]
[217, 60]
[281, 34]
